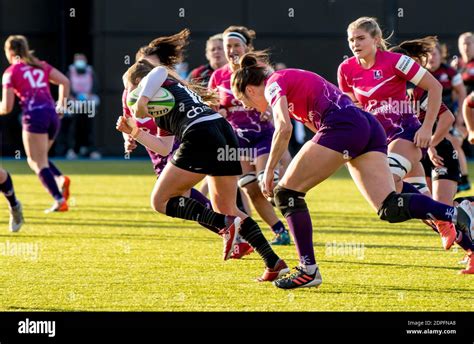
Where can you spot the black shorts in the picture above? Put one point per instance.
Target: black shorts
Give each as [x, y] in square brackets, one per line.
[209, 148]
[450, 170]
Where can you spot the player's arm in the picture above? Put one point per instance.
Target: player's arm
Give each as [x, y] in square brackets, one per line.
[460, 90]
[161, 145]
[429, 83]
[8, 97]
[468, 115]
[345, 87]
[150, 85]
[281, 138]
[444, 124]
[129, 144]
[8, 100]
[58, 78]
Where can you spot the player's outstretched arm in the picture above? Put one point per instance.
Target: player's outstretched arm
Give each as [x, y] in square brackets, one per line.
[281, 138]
[161, 145]
[429, 83]
[58, 78]
[150, 85]
[468, 115]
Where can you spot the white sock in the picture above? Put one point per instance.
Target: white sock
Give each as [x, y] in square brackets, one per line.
[309, 269]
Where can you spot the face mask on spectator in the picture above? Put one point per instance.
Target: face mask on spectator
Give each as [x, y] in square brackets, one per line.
[80, 64]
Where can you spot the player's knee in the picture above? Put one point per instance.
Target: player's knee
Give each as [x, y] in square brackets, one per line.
[399, 166]
[395, 208]
[3, 176]
[157, 203]
[289, 201]
[32, 164]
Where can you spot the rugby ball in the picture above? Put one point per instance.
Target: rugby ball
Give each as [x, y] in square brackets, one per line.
[161, 103]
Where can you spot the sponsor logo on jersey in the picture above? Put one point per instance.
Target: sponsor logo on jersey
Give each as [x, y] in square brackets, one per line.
[378, 74]
[404, 64]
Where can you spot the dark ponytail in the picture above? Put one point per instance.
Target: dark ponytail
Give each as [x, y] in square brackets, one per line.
[253, 69]
[417, 48]
[168, 49]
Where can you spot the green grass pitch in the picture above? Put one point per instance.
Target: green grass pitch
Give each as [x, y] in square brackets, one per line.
[111, 252]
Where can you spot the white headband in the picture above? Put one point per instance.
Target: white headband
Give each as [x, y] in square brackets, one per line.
[236, 35]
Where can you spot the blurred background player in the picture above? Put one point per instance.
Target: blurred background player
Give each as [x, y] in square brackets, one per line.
[344, 134]
[14, 205]
[376, 79]
[468, 115]
[465, 65]
[215, 57]
[441, 164]
[28, 78]
[454, 93]
[76, 137]
[254, 132]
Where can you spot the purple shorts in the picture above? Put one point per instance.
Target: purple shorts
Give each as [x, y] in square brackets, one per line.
[256, 143]
[409, 135]
[42, 121]
[351, 131]
[406, 134]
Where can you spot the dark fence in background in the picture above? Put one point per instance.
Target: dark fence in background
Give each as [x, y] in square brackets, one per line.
[110, 32]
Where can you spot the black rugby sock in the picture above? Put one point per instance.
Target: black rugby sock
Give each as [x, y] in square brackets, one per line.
[190, 209]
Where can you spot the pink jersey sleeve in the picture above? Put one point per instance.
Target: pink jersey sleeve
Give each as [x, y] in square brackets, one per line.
[342, 80]
[7, 78]
[212, 82]
[47, 68]
[275, 88]
[407, 68]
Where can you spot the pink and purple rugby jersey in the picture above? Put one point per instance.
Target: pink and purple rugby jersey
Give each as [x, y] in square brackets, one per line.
[341, 126]
[148, 124]
[31, 85]
[310, 97]
[381, 90]
[250, 129]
